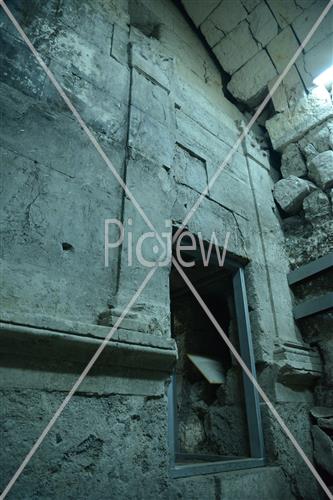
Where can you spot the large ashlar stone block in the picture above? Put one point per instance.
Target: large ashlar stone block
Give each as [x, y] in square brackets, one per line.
[148, 60]
[211, 32]
[198, 11]
[323, 449]
[189, 169]
[316, 207]
[303, 24]
[150, 138]
[290, 90]
[321, 169]
[282, 47]
[315, 61]
[151, 99]
[111, 121]
[248, 84]
[236, 48]
[285, 12]
[263, 25]
[307, 113]
[289, 193]
[292, 162]
[227, 15]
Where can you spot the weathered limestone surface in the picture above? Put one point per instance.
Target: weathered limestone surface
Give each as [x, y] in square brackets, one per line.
[100, 446]
[296, 415]
[263, 25]
[290, 193]
[281, 48]
[248, 485]
[278, 26]
[303, 23]
[227, 15]
[151, 95]
[316, 207]
[321, 169]
[317, 140]
[314, 62]
[236, 48]
[307, 113]
[284, 12]
[309, 236]
[292, 162]
[248, 84]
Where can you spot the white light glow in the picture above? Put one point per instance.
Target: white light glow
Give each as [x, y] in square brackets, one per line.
[325, 78]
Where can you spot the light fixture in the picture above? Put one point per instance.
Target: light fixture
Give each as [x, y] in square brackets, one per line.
[325, 78]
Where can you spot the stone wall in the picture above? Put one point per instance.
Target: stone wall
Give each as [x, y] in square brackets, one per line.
[304, 195]
[151, 95]
[254, 40]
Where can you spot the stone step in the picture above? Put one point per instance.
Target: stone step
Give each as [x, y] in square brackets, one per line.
[250, 484]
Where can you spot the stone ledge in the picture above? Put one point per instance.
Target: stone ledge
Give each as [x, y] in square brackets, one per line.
[298, 365]
[123, 351]
[130, 331]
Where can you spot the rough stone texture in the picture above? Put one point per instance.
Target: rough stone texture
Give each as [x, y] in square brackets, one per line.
[228, 15]
[247, 485]
[211, 32]
[151, 94]
[318, 140]
[314, 62]
[248, 84]
[309, 236]
[316, 207]
[290, 193]
[276, 25]
[91, 446]
[288, 92]
[284, 12]
[263, 25]
[296, 417]
[303, 23]
[292, 162]
[305, 244]
[307, 113]
[222, 425]
[321, 169]
[323, 449]
[236, 48]
[280, 49]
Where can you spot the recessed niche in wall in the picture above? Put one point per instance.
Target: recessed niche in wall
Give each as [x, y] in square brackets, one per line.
[214, 417]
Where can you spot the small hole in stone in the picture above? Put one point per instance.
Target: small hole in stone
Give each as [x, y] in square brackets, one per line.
[67, 247]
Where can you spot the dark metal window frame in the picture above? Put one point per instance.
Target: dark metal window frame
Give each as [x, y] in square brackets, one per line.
[318, 304]
[252, 403]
